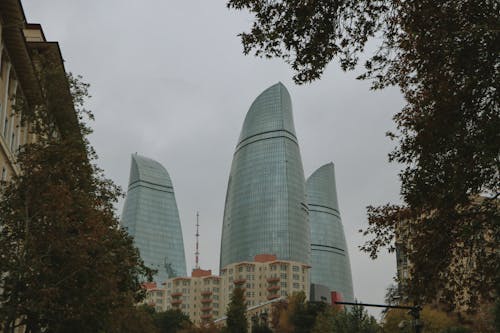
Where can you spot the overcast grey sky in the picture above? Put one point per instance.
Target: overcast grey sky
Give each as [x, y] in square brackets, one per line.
[169, 81]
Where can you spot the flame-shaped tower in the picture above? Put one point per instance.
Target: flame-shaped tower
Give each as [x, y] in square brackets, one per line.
[265, 209]
[329, 258]
[150, 215]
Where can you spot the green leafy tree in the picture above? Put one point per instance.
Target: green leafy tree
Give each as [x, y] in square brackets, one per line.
[65, 263]
[443, 55]
[434, 321]
[332, 320]
[172, 321]
[299, 316]
[356, 319]
[133, 319]
[261, 328]
[236, 317]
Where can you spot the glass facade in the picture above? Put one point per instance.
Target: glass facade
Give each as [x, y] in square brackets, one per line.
[150, 215]
[329, 257]
[265, 209]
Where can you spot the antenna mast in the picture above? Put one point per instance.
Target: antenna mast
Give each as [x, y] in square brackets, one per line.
[197, 253]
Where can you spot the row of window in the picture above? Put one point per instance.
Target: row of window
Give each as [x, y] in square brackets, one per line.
[188, 282]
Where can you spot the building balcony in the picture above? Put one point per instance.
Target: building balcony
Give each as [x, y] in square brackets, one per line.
[272, 296]
[206, 292]
[206, 300]
[206, 316]
[176, 294]
[273, 279]
[240, 281]
[176, 301]
[207, 308]
[273, 288]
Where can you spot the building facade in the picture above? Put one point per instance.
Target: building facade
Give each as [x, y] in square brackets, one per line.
[198, 296]
[204, 297]
[329, 256]
[265, 278]
[151, 216]
[22, 45]
[265, 209]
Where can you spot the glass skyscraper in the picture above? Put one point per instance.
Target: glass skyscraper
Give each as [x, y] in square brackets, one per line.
[150, 215]
[329, 258]
[265, 209]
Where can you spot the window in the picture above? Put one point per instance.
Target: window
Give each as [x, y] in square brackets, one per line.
[295, 268]
[4, 174]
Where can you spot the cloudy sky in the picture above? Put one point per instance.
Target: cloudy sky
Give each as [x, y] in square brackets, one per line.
[169, 81]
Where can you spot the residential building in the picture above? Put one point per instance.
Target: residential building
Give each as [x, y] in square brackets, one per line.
[204, 297]
[155, 296]
[198, 296]
[265, 278]
[151, 217]
[329, 255]
[265, 209]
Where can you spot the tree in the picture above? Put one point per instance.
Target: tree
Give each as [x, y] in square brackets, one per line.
[434, 321]
[65, 263]
[443, 55]
[133, 319]
[172, 321]
[356, 319]
[261, 328]
[236, 317]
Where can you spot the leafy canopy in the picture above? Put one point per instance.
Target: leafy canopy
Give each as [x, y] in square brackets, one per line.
[443, 55]
[65, 263]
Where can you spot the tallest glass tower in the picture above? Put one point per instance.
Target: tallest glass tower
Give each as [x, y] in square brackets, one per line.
[265, 209]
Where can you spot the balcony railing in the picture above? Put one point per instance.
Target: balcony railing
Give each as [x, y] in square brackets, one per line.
[240, 281]
[206, 316]
[273, 288]
[273, 279]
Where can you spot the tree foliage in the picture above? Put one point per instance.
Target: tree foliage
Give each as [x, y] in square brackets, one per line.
[434, 321]
[443, 55]
[172, 321]
[236, 313]
[65, 264]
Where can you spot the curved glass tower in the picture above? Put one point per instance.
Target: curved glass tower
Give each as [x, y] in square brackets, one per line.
[265, 209]
[329, 257]
[150, 215]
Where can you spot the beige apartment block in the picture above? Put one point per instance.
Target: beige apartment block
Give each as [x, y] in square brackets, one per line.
[264, 279]
[197, 296]
[204, 297]
[155, 296]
